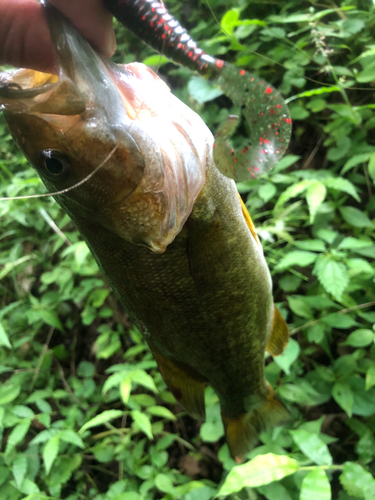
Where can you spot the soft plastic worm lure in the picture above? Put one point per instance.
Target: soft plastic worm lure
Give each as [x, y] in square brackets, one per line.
[261, 104]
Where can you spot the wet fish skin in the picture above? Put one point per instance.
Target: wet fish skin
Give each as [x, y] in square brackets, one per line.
[167, 228]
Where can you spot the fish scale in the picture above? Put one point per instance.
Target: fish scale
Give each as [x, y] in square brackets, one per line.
[167, 228]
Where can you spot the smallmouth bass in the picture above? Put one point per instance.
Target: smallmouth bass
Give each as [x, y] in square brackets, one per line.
[166, 227]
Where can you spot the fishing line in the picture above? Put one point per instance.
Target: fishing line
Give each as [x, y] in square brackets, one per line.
[66, 190]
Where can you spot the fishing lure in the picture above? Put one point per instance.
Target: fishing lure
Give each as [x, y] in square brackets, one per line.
[261, 104]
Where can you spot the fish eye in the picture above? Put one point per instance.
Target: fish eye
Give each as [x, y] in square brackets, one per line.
[56, 164]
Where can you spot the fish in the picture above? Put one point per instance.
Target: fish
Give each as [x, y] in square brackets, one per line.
[134, 169]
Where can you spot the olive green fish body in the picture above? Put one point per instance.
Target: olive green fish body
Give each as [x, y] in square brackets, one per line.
[134, 168]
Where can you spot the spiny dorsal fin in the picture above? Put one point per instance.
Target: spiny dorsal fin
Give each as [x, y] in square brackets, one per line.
[279, 335]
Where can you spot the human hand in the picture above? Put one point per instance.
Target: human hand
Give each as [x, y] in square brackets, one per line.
[24, 35]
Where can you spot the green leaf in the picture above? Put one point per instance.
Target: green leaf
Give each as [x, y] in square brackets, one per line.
[341, 184]
[315, 195]
[143, 422]
[312, 245]
[285, 162]
[4, 340]
[332, 275]
[164, 483]
[343, 395]
[356, 160]
[263, 469]
[144, 379]
[371, 167]
[17, 435]
[287, 358]
[357, 481]
[360, 338]
[274, 491]
[160, 411]
[9, 392]
[351, 243]
[267, 191]
[69, 436]
[102, 418]
[156, 60]
[125, 389]
[370, 377]
[296, 258]
[355, 217]
[315, 486]
[50, 452]
[202, 90]
[300, 307]
[312, 446]
[19, 469]
[50, 318]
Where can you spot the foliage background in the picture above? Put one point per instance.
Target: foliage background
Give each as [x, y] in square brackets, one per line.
[84, 413]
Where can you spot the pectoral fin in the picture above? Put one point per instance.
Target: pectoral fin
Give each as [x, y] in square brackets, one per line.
[188, 391]
[279, 336]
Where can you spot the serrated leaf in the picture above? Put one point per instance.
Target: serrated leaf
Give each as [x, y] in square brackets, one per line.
[69, 436]
[355, 217]
[17, 435]
[343, 395]
[360, 338]
[312, 446]
[356, 480]
[315, 486]
[50, 452]
[143, 422]
[263, 469]
[288, 357]
[4, 340]
[160, 411]
[102, 418]
[332, 275]
[19, 469]
[315, 195]
[296, 258]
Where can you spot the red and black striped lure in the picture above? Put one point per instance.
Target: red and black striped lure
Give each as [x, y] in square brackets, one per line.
[261, 104]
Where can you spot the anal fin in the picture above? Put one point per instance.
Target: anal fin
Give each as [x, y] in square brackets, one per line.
[279, 337]
[242, 432]
[188, 391]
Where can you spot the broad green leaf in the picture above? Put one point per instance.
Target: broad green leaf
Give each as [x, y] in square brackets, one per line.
[296, 258]
[4, 340]
[50, 452]
[360, 338]
[274, 491]
[125, 389]
[356, 160]
[202, 90]
[315, 486]
[144, 379]
[267, 191]
[28, 487]
[19, 469]
[161, 411]
[102, 418]
[263, 469]
[164, 483]
[315, 195]
[370, 377]
[143, 422]
[332, 275]
[371, 167]
[287, 358]
[311, 245]
[343, 395]
[285, 162]
[357, 481]
[69, 436]
[293, 191]
[229, 21]
[341, 184]
[355, 217]
[300, 307]
[50, 318]
[351, 243]
[312, 446]
[17, 435]
[156, 60]
[9, 392]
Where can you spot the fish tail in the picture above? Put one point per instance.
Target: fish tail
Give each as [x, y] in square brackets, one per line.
[242, 431]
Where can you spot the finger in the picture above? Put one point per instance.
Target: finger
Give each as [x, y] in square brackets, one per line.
[93, 20]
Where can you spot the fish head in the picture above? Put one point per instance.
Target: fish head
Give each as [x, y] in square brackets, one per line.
[110, 141]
